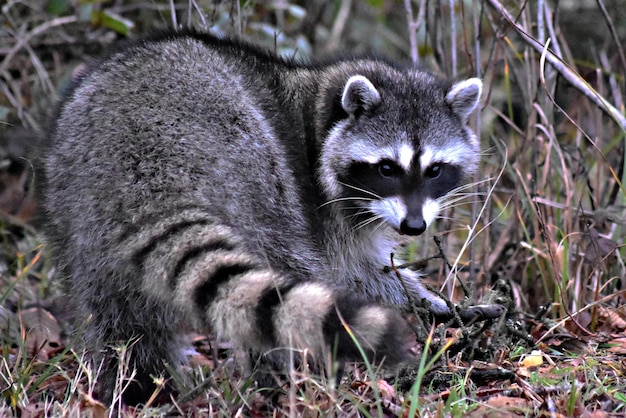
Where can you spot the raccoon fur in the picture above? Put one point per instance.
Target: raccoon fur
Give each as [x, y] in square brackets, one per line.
[194, 180]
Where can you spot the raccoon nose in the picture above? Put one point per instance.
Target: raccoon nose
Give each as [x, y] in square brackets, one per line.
[414, 225]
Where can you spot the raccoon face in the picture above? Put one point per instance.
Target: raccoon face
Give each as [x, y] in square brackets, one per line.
[395, 163]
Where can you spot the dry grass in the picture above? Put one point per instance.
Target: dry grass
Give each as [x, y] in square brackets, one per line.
[545, 221]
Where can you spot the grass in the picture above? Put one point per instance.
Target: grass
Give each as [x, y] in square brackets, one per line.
[544, 222]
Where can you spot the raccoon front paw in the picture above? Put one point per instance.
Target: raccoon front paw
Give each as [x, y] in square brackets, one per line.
[478, 313]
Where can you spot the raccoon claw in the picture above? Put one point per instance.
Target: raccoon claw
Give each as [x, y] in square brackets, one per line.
[475, 313]
[481, 313]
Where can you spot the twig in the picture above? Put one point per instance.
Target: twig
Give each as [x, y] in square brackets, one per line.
[552, 32]
[339, 25]
[442, 255]
[419, 333]
[563, 68]
[22, 41]
[453, 50]
[173, 14]
[407, 291]
[239, 21]
[618, 43]
[619, 102]
[421, 263]
[477, 127]
[541, 32]
[194, 5]
[414, 25]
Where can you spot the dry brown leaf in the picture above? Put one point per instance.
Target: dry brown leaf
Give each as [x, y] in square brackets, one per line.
[14, 200]
[534, 359]
[618, 345]
[386, 390]
[598, 247]
[613, 320]
[93, 407]
[503, 406]
[502, 401]
[43, 332]
[32, 410]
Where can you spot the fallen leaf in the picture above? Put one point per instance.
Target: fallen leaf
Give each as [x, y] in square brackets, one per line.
[43, 332]
[534, 359]
[617, 345]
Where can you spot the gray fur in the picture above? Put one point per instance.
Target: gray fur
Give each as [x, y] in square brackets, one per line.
[191, 180]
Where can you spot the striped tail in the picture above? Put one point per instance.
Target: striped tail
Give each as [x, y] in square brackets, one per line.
[205, 269]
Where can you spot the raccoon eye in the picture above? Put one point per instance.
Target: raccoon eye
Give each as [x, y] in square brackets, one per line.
[388, 169]
[433, 171]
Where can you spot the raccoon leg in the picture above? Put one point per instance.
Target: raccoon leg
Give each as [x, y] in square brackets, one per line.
[440, 309]
[130, 343]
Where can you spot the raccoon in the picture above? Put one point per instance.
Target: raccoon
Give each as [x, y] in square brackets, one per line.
[191, 180]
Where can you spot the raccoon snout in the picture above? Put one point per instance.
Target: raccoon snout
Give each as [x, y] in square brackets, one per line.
[413, 225]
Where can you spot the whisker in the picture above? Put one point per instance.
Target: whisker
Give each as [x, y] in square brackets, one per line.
[455, 205]
[359, 212]
[379, 226]
[467, 186]
[352, 207]
[361, 190]
[343, 199]
[455, 201]
[458, 193]
[458, 196]
[368, 221]
[365, 224]
[354, 215]
[451, 219]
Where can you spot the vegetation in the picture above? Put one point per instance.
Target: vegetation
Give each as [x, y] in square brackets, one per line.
[544, 224]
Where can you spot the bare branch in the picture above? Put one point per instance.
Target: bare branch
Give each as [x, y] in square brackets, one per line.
[453, 50]
[339, 25]
[563, 68]
[414, 25]
[22, 41]
[618, 44]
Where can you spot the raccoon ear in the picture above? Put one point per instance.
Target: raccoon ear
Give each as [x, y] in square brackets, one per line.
[463, 97]
[359, 93]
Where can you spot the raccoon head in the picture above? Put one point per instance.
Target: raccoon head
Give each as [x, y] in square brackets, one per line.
[399, 145]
